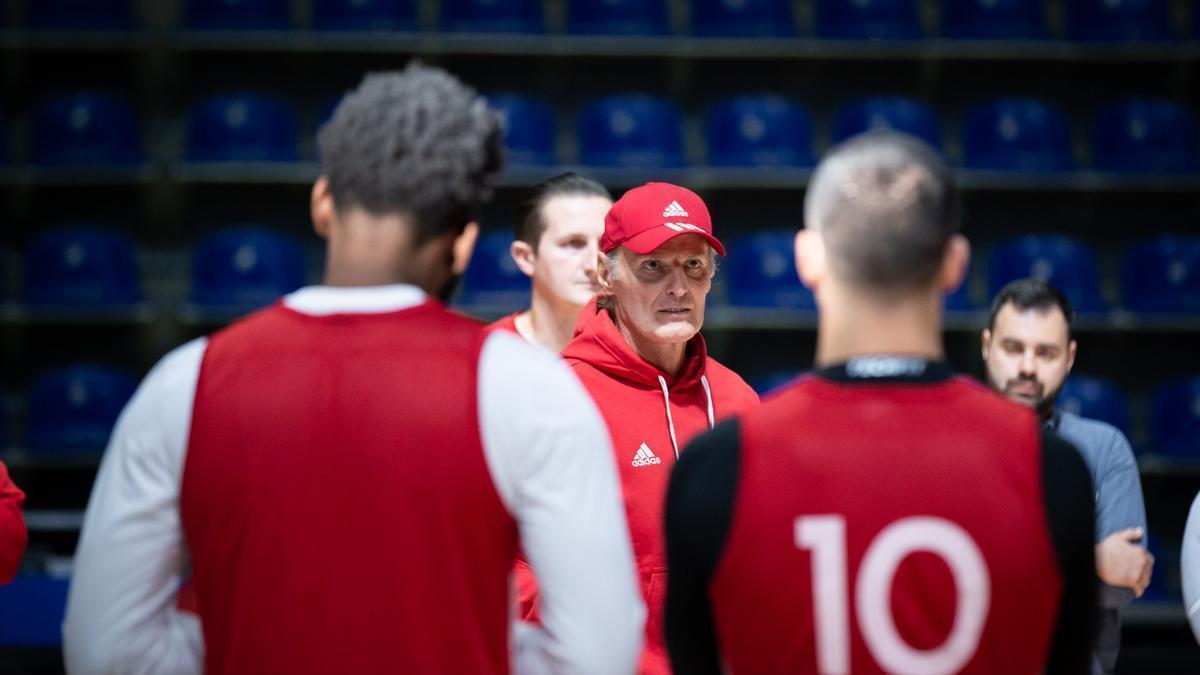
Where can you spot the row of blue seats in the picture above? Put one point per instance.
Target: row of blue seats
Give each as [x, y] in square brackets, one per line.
[1087, 20]
[1160, 275]
[95, 267]
[644, 131]
[72, 409]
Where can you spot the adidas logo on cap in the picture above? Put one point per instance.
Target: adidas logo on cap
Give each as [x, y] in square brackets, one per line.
[674, 210]
[645, 457]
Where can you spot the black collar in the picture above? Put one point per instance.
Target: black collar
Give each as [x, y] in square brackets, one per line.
[887, 369]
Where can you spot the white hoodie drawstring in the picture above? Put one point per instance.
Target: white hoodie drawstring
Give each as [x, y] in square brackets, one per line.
[670, 424]
[662, 382]
[708, 393]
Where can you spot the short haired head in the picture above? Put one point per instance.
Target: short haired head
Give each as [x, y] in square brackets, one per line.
[416, 142]
[886, 206]
[531, 221]
[1036, 294]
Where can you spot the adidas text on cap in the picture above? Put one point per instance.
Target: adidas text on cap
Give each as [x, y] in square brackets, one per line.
[647, 217]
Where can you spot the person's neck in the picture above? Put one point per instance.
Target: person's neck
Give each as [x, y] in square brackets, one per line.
[857, 325]
[548, 323]
[371, 251]
[668, 357]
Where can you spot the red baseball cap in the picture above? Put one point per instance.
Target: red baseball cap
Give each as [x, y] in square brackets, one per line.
[647, 217]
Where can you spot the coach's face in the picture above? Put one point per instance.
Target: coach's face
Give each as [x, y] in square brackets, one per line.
[659, 297]
[1028, 354]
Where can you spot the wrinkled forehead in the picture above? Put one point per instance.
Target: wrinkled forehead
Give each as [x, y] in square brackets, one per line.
[1044, 325]
[682, 247]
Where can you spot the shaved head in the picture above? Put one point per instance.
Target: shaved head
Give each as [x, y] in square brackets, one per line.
[885, 206]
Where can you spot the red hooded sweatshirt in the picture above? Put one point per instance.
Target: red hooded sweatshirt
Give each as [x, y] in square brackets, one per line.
[651, 417]
[13, 535]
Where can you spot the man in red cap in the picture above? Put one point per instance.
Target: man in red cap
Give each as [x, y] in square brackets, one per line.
[639, 353]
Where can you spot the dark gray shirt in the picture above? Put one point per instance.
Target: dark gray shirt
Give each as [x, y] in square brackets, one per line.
[1119, 505]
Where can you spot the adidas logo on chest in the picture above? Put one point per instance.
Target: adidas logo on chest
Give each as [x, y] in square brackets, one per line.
[645, 456]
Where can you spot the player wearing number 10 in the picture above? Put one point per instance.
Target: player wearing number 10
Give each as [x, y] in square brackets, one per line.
[880, 514]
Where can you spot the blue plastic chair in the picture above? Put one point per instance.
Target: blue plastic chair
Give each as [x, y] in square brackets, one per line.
[83, 266]
[617, 17]
[1162, 275]
[868, 19]
[761, 272]
[31, 611]
[1018, 134]
[1118, 20]
[1175, 419]
[493, 279]
[1095, 398]
[242, 127]
[764, 130]
[1070, 265]
[493, 16]
[371, 15]
[994, 19]
[769, 383]
[1145, 135]
[74, 408]
[244, 268]
[238, 15]
[529, 129]
[85, 128]
[634, 131]
[743, 18]
[80, 14]
[897, 113]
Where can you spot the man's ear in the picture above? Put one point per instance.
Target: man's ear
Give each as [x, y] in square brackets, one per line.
[463, 246]
[810, 258]
[985, 343]
[603, 274]
[321, 208]
[1071, 355]
[523, 255]
[955, 263]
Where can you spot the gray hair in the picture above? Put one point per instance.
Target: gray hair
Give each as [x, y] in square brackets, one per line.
[417, 142]
[885, 205]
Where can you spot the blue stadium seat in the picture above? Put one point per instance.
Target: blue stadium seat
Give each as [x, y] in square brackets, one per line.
[617, 17]
[960, 300]
[246, 267]
[242, 126]
[1118, 20]
[766, 384]
[762, 130]
[493, 278]
[82, 266]
[888, 112]
[85, 128]
[761, 272]
[1018, 134]
[1175, 419]
[1145, 135]
[31, 611]
[1068, 264]
[389, 15]
[238, 14]
[743, 18]
[868, 19]
[994, 19]
[635, 131]
[74, 408]
[493, 16]
[1162, 275]
[529, 129]
[80, 14]
[1095, 398]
